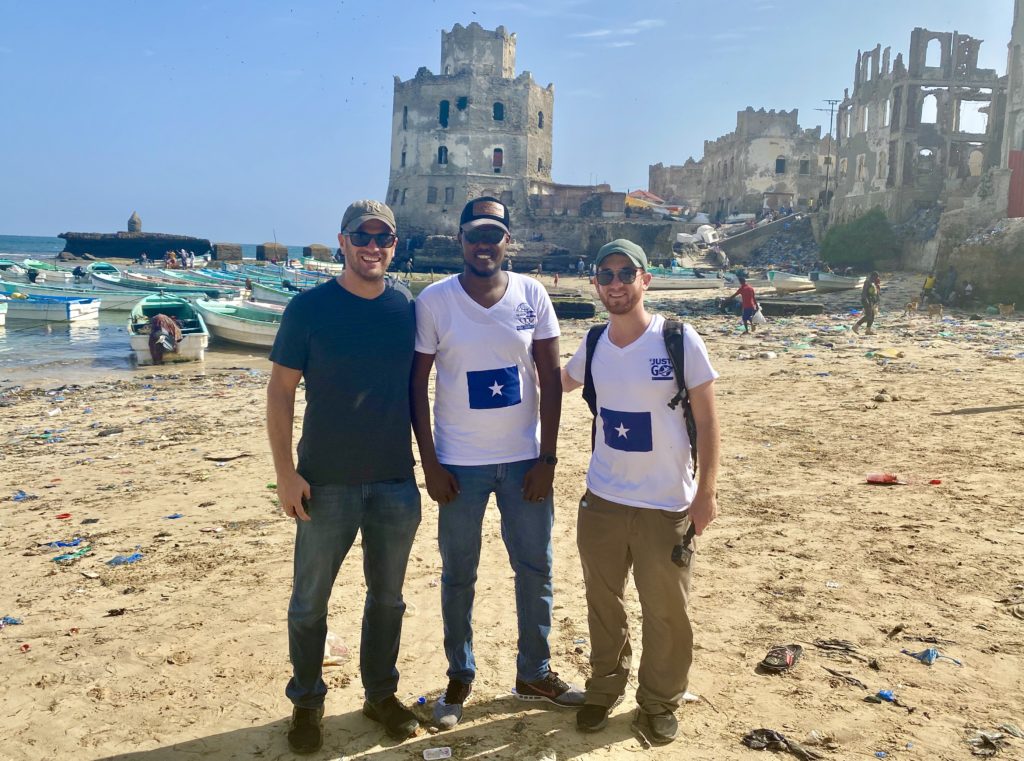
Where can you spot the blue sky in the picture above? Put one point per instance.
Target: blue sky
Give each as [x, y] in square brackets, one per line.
[240, 119]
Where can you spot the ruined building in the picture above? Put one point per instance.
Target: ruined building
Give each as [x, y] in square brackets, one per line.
[769, 161]
[474, 129]
[919, 132]
[1012, 152]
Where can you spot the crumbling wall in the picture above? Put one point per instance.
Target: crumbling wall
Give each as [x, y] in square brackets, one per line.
[918, 132]
[681, 185]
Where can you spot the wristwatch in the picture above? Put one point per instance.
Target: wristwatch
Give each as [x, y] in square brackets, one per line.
[548, 459]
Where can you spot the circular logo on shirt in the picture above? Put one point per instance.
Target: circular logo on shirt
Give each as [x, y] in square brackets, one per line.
[525, 316]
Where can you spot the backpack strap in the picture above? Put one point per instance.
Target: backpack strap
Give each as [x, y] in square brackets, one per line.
[673, 334]
[589, 392]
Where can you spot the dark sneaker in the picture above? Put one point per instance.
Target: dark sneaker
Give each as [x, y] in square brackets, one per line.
[658, 728]
[399, 722]
[448, 709]
[306, 730]
[551, 689]
[592, 718]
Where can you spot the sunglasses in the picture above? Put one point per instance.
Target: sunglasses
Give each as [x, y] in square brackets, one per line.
[383, 240]
[489, 235]
[626, 276]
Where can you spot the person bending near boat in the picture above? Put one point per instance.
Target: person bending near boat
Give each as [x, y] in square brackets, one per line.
[870, 299]
[493, 336]
[748, 303]
[351, 339]
[641, 498]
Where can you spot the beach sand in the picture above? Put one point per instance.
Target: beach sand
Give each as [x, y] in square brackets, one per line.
[183, 654]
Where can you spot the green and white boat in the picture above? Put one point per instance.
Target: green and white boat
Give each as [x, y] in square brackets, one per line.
[194, 335]
[236, 322]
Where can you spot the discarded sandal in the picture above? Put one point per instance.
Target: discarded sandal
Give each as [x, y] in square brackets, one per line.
[782, 658]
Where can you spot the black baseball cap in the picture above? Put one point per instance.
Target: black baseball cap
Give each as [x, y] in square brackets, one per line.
[485, 211]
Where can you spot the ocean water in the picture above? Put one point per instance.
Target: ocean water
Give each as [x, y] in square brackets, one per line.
[41, 354]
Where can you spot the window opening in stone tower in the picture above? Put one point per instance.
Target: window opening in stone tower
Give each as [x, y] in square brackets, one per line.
[929, 109]
[780, 165]
[540, 165]
[442, 155]
[462, 103]
[499, 112]
[933, 54]
[805, 166]
[442, 115]
[403, 159]
[540, 120]
[431, 194]
[497, 159]
[405, 117]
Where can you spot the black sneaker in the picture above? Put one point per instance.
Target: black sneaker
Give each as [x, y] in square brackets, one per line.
[399, 722]
[306, 730]
[551, 689]
[448, 709]
[659, 728]
[592, 718]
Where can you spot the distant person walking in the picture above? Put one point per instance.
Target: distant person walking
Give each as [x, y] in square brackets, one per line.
[748, 303]
[870, 299]
[581, 267]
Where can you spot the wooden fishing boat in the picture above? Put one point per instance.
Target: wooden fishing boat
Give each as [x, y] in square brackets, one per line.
[787, 282]
[51, 308]
[194, 335]
[236, 322]
[112, 301]
[139, 283]
[828, 282]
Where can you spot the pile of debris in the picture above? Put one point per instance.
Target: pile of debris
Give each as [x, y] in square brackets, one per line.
[923, 225]
[793, 247]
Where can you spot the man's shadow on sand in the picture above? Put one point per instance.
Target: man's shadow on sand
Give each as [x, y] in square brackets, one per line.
[502, 726]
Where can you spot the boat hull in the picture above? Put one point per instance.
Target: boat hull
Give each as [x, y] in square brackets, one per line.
[44, 309]
[239, 324]
[785, 282]
[825, 282]
[110, 301]
[670, 283]
[195, 336]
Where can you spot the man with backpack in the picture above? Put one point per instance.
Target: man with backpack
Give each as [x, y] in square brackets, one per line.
[643, 505]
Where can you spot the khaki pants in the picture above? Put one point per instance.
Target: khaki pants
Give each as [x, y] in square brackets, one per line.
[611, 538]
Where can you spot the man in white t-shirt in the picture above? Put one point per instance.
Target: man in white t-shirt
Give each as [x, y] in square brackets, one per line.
[493, 336]
[641, 497]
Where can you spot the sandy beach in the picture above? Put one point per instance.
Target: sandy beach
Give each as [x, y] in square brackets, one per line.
[183, 653]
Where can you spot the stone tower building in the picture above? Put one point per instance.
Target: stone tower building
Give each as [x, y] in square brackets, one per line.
[474, 129]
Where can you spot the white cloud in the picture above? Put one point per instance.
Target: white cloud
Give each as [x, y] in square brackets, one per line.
[595, 33]
[648, 23]
[621, 44]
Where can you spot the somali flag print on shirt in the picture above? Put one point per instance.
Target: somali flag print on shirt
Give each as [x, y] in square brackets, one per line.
[627, 431]
[492, 389]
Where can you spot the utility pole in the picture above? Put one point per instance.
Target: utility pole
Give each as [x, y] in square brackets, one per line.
[828, 164]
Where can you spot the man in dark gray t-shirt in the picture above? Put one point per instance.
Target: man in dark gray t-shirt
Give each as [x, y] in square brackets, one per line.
[352, 340]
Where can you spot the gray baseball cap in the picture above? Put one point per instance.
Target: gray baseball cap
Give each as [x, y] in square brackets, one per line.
[627, 248]
[363, 211]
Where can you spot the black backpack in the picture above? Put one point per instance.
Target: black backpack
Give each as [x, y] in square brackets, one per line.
[673, 333]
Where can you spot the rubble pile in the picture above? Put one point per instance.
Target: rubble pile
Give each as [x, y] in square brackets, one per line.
[793, 247]
[921, 226]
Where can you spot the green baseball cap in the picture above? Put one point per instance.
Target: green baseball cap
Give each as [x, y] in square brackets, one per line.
[363, 211]
[627, 248]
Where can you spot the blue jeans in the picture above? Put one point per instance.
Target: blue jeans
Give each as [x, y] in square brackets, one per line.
[388, 514]
[526, 531]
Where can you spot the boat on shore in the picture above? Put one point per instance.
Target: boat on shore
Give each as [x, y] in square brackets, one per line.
[194, 335]
[48, 271]
[272, 294]
[110, 301]
[140, 283]
[787, 282]
[52, 308]
[828, 282]
[236, 322]
[683, 283]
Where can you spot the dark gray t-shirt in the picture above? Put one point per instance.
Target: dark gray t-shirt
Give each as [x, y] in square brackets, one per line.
[356, 357]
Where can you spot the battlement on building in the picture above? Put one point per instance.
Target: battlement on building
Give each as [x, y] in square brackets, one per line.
[479, 51]
[751, 124]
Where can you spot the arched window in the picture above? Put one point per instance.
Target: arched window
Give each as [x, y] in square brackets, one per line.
[780, 165]
[499, 112]
[442, 113]
[933, 54]
[930, 109]
[442, 155]
[540, 120]
[497, 159]
[887, 113]
[405, 117]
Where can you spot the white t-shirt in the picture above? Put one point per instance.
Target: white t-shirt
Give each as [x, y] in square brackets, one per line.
[486, 400]
[641, 452]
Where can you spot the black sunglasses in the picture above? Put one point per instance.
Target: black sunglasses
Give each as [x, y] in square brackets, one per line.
[626, 276]
[383, 240]
[490, 235]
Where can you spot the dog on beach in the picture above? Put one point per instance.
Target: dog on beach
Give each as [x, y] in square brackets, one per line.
[1005, 310]
[935, 310]
[909, 308]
